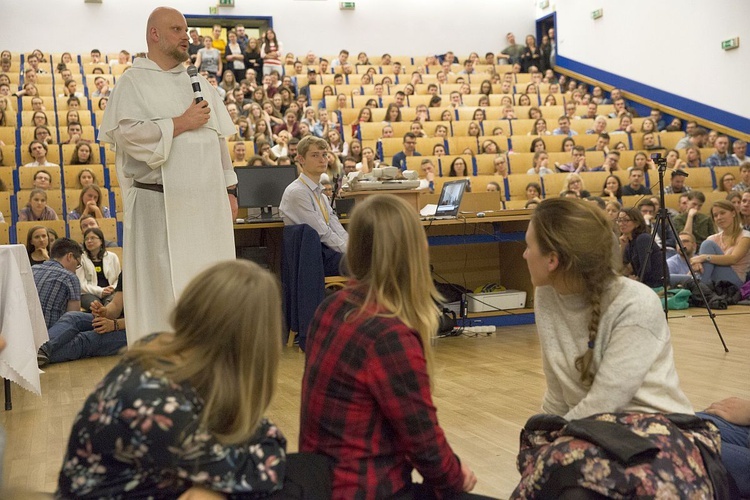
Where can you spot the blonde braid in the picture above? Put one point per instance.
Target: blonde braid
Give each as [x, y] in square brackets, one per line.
[583, 362]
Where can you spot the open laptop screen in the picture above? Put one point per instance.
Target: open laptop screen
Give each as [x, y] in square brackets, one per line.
[450, 198]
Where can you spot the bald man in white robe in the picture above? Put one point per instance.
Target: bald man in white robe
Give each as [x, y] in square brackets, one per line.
[174, 167]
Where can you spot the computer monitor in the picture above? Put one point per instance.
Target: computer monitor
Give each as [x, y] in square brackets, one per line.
[262, 187]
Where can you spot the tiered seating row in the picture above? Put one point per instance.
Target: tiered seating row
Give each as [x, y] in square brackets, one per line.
[63, 193]
[513, 188]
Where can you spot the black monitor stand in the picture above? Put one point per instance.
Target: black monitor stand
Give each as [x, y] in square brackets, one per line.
[266, 213]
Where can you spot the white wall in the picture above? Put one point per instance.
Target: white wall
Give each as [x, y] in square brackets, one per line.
[397, 26]
[672, 45]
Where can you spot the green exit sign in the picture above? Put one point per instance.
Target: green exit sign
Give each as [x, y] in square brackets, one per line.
[226, 3]
[730, 44]
[346, 5]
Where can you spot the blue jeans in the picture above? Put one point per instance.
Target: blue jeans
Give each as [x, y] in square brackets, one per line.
[679, 279]
[735, 450]
[713, 273]
[73, 337]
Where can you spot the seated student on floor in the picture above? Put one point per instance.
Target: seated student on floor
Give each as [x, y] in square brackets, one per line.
[732, 417]
[190, 409]
[679, 264]
[625, 361]
[88, 222]
[724, 256]
[303, 202]
[99, 270]
[635, 244]
[691, 220]
[79, 335]
[56, 282]
[366, 401]
[605, 341]
[649, 211]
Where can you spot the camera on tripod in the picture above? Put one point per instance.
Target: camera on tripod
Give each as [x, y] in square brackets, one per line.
[659, 161]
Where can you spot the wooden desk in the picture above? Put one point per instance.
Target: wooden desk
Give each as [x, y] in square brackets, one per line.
[475, 251]
[469, 251]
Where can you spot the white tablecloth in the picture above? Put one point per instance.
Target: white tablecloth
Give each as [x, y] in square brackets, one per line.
[21, 320]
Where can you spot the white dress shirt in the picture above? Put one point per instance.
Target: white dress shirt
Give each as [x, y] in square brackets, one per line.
[303, 202]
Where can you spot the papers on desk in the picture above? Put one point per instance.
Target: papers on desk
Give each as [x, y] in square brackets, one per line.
[428, 210]
[21, 320]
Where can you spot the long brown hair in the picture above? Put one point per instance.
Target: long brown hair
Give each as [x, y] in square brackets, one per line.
[81, 205]
[733, 233]
[384, 230]
[580, 234]
[30, 248]
[227, 343]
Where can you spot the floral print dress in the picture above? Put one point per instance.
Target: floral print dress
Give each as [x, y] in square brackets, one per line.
[139, 436]
[681, 461]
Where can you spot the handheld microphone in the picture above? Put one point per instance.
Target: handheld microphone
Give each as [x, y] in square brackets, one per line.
[192, 72]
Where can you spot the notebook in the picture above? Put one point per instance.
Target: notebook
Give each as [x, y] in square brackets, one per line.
[450, 200]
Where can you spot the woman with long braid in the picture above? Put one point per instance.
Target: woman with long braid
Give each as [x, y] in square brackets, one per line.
[605, 342]
[616, 423]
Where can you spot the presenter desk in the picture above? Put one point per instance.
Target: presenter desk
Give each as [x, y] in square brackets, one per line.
[469, 251]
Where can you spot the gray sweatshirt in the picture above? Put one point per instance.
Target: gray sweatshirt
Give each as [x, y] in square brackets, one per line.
[633, 363]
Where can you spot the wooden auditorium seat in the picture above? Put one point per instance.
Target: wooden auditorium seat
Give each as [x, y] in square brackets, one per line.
[22, 228]
[4, 233]
[26, 177]
[54, 200]
[71, 172]
[518, 182]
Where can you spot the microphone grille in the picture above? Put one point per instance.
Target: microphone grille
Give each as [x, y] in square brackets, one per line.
[192, 70]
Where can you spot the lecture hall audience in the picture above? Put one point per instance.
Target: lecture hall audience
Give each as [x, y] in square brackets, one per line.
[272, 94]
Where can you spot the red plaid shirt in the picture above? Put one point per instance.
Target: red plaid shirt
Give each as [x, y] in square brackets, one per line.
[366, 403]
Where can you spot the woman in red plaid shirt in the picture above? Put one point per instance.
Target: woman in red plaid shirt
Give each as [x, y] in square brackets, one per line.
[366, 399]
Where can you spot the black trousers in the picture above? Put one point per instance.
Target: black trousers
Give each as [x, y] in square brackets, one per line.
[332, 261]
[308, 476]
[420, 491]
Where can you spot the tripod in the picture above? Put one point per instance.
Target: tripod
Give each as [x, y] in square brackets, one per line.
[661, 220]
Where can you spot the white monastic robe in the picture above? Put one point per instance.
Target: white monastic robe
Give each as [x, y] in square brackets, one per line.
[168, 238]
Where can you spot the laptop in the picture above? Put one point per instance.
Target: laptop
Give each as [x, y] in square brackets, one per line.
[450, 200]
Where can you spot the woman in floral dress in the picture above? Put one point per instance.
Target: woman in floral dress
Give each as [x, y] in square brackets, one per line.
[185, 409]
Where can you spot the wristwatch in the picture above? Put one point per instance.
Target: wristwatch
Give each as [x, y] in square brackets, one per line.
[708, 258]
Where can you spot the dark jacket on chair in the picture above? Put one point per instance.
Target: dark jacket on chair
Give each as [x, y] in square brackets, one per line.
[302, 278]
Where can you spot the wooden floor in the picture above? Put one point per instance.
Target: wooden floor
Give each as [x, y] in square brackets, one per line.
[486, 388]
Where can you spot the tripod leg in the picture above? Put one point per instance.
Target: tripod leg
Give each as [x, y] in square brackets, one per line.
[644, 266]
[665, 273]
